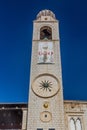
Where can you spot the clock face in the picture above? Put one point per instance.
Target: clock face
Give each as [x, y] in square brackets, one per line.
[45, 86]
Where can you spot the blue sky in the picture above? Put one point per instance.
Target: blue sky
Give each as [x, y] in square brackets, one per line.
[16, 25]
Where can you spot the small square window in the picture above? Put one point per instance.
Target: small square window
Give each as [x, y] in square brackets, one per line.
[39, 129]
[51, 129]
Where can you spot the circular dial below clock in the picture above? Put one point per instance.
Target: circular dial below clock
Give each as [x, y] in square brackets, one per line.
[45, 86]
[45, 116]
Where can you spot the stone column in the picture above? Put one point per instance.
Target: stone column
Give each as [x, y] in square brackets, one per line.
[24, 119]
[85, 118]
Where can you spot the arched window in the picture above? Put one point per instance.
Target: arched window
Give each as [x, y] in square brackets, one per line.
[46, 33]
[78, 124]
[72, 124]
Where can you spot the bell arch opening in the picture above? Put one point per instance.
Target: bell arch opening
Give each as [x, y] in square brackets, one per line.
[46, 33]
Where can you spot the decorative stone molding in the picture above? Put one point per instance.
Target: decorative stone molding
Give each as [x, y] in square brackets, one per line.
[46, 13]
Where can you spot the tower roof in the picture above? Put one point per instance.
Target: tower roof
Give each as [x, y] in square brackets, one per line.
[46, 13]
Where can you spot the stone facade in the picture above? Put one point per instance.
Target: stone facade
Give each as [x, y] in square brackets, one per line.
[55, 109]
[76, 110]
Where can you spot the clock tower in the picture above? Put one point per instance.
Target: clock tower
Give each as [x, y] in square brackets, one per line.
[45, 107]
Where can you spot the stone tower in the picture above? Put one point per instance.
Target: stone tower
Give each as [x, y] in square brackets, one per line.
[45, 109]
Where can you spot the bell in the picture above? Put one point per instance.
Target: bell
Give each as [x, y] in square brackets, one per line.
[45, 105]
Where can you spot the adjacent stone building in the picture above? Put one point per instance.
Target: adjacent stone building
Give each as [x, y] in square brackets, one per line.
[46, 109]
